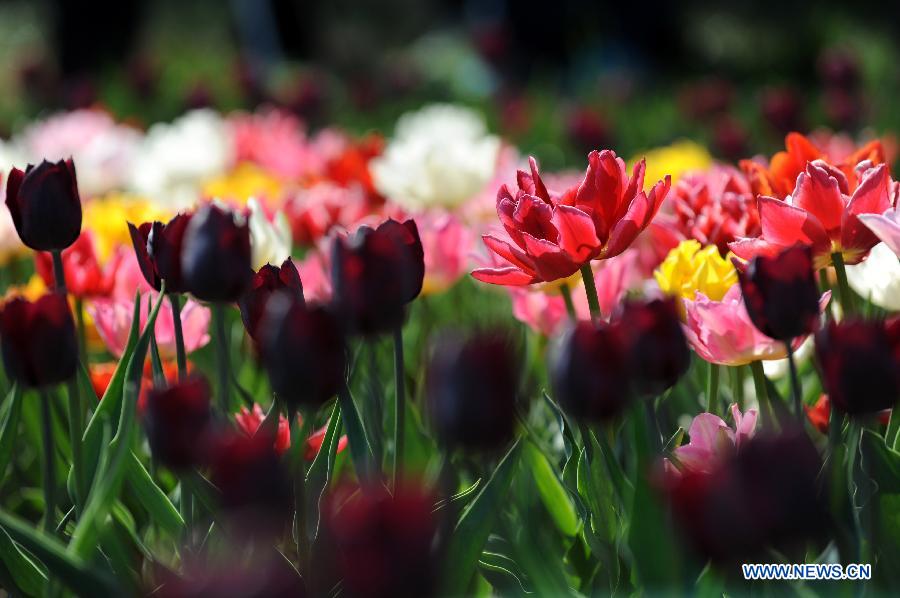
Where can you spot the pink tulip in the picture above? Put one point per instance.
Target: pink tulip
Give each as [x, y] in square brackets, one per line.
[886, 227]
[113, 316]
[712, 441]
[315, 274]
[447, 245]
[276, 141]
[721, 331]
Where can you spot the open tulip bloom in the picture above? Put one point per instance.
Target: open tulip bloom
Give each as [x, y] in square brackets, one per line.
[301, 392]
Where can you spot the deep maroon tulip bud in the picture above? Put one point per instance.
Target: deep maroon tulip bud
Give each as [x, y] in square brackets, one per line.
[472, 389]
[255, 489]
[591, 371]
[860, 364]
[177, 421]
[376, 273]
[39, 343]
[215, 255]
[158, 250]
[658, 350]
[303, 351]
[384, 543]
[765, 496]
[780, 293]
[45, 205]
[266, 282]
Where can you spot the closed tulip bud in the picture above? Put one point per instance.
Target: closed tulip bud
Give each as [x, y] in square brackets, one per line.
[40, 347]
[383, 543]
[658, 349]
[765, 496]
[45, 205]
[255, 490]
[860, 364]
[780, 293]
[591, 371]
[177, 421]
[472, 389]
[158, 250]
[268, 281]
[215, 255]
[303, 351]
[376, 272]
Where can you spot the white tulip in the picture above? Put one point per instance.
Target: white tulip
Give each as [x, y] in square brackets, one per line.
[270, 241]
[878, 278]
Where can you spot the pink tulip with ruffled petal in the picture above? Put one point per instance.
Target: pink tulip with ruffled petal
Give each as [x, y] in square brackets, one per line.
[886, 227]
[711, 442]
[113, 315]
[721, 331]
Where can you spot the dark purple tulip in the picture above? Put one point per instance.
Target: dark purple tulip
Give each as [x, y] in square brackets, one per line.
[591, 371]
[376, 272]
[255, 490]
[384, 543]
[472, 389]
[158, 250]
[765, 496]
[266, 282]
[215, 255]
[177, 421]
[780, 293]
[45, 205]
[860, 364]
[658, 350]
[38, 340]
[303, 351]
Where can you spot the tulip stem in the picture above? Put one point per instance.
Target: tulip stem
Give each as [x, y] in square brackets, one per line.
[840, 271]
[795, 382]
[567, 299]
[712, 389]
[49, 462]
[76, 429]
[590, 289]
[737, 386]
[762, 392]
[223, 363]
[399, 404]
[180, 354]
[59, 273]
[82, 333]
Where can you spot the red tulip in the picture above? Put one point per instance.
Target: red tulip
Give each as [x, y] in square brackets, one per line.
[158, 250]
[249, 422]
[215, 255]
[85, 278]
[552, 235]
[38, 340]
[823, 214]
[266, 282]
[781, 295]
[45, 205]
[177, 420]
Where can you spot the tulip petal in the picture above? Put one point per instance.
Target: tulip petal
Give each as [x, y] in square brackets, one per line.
[577, 235]
[510, 276]
[787, 225]
[885, 228]
[602, 189]
[511, 254]
[550, 261]
[818, 193]
[640, 212]
[871, 197]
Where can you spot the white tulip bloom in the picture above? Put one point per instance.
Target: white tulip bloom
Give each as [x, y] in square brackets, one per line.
[270, 241]
[878, 278]
[440, 156]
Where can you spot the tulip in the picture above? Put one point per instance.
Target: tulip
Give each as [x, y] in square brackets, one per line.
[689, 268]
[860, 364]
[472, 389]
[657, 348]
[45, 205]
[781, 295]
[823, 214]
[255, 491]
[158, 250]
[384, 543]
[249, 422]
[177, 421]
[764, 496]
[376, 272]
[266, 282]
[215, 255]
[712, 442]
[39, 343]
[447, 244]
[270, 241]
[552, 235]
[303, 351]
[878, 278]
[591, 371]
[886, 227]
[84, 276]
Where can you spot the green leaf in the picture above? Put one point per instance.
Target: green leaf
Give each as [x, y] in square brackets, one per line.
[475, 524]
[27, 574]
[652, 540]
[10, 415]
[320, 471]
[502, 571]
[68, 568]
[367, 469]
[152, 498]
[462, 495]
[551, 490]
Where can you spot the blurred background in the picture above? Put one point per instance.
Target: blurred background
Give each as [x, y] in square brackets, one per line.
[555, 79]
